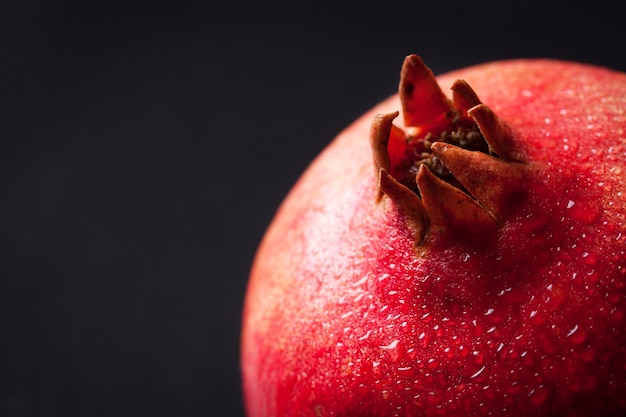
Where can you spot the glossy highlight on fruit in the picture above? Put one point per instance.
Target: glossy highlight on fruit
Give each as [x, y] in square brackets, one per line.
[454, 252]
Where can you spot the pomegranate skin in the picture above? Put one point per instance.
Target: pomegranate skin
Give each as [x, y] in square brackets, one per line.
[347, 315]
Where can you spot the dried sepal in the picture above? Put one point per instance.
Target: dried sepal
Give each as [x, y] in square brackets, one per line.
[454, 168]
[407, 202]
[380, 133]
[423, 102]
[449, 209]
[497, 135]
[494, 183]
[379, 139]
[464, 97]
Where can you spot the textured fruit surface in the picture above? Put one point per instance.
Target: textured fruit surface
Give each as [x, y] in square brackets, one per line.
[347, 313]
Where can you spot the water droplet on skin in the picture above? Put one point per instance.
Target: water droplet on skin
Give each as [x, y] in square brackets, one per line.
[514, 389]
[346, 315]
[613, 298]
[537, 318]
[391, 345]
[479, 357]
[538, 396]
[585, 213]
[514, 296]
[618, 315]
[577, 335]
[527, 360]
[433, 363]
[424, 341]
[477, 373]
[463, 351]
[360, 282]
[589, 258]
[365, 336]
[411, 354]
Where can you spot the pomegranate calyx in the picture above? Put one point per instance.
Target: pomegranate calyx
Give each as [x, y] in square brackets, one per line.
[408, 202]
[455, 167]
[423, 102]
[496, 134]
[463, 96]
[493, 182]
[379, 140]
[448, 208]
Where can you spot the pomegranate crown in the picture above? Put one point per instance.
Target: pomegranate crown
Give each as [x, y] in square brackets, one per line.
[454, 168]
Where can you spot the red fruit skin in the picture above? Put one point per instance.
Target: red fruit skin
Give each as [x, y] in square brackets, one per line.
[344, 317]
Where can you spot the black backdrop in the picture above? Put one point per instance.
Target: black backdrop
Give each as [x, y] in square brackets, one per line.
[145, 147]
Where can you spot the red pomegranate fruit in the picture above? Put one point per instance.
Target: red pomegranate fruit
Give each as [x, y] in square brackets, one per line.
[452, 254]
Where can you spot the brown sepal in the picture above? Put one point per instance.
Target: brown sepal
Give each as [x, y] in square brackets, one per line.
[407, 202]
[379, 141]
[449, 209]
[464, 97]
[496, 184]
[423, 102]
[498, 135]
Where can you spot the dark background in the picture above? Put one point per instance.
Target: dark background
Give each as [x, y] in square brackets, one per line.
[145, 147]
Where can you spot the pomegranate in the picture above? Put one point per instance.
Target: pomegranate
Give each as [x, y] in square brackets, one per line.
[454, 253]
